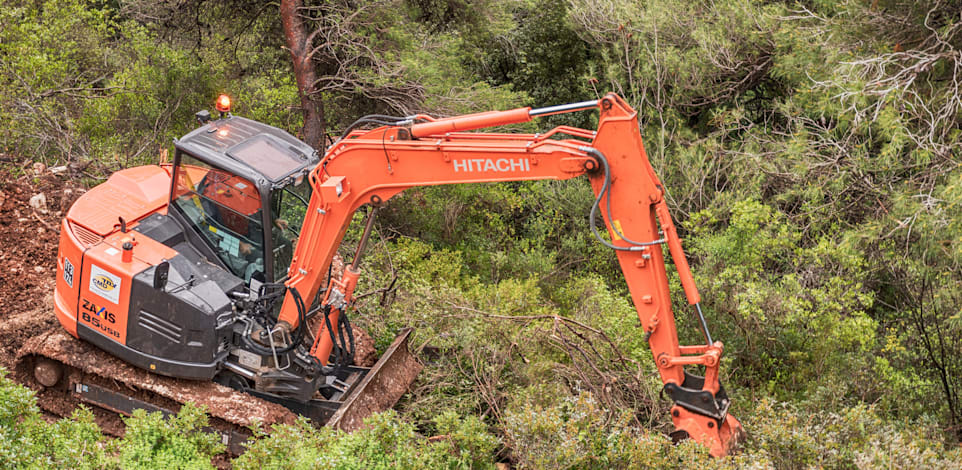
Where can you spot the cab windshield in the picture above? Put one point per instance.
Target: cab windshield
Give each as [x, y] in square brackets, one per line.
[225, 209]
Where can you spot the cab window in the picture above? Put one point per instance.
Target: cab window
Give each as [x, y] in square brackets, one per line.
[288, 206]
[225, 209]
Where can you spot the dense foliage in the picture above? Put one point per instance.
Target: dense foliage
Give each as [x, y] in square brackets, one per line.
[810, 151]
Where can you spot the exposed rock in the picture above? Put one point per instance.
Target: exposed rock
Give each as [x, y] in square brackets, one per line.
[39, 202]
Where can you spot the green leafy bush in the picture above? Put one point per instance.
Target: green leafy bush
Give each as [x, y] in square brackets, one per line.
[854, 438]
[385, 442]
[179, 441]
[27, 441]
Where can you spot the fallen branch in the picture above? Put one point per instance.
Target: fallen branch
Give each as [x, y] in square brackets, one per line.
[614, 382]
[44, 222]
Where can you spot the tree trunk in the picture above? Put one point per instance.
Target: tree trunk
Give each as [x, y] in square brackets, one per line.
[296, 36]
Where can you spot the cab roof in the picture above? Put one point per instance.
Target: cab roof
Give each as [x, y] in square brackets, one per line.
[266, 150]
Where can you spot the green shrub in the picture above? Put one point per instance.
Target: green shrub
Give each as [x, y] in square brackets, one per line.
[385, 442]
[791, 438]
[578, 433]
[175, 442]
[27, 441]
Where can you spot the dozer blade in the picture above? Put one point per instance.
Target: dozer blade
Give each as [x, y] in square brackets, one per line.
[381, 387]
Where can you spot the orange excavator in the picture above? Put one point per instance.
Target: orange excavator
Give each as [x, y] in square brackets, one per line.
[204, 276]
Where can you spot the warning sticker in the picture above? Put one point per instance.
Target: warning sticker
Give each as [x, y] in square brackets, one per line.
[104, 284]
[618, 229]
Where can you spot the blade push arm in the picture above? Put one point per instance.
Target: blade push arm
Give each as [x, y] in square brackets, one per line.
[370, 167]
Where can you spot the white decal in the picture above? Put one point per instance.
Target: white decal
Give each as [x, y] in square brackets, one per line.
[111, 251]
[484, 164]
[67, 271]
[104, 284]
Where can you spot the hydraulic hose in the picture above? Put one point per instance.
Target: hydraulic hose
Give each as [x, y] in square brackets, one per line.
[605, 189]
[379, 119]
[343, 357]
[265, 302]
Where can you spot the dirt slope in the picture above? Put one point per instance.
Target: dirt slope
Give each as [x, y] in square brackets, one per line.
[28, 253]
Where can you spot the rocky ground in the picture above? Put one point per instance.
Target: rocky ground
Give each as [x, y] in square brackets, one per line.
[32, 204]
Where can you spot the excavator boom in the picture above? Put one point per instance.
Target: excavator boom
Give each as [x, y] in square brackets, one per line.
[370, 167]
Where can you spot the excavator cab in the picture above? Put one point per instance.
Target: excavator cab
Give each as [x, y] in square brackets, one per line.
[242, 196]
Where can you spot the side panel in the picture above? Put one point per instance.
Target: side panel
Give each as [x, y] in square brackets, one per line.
[158, 365]
[172, 331]
[105, 291]
[131, 193]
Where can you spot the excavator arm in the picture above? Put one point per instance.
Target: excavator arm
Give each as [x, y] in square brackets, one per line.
[370, 167]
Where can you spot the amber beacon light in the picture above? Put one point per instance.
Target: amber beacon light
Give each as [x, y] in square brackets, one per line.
[223, 103]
